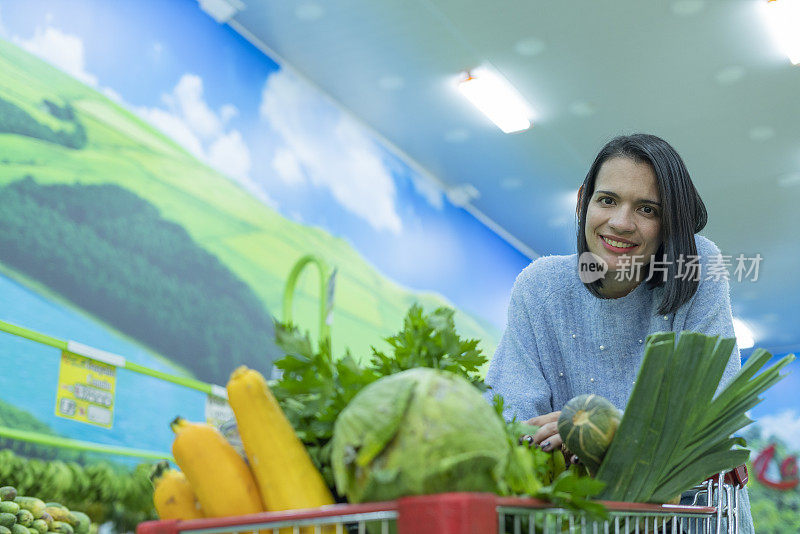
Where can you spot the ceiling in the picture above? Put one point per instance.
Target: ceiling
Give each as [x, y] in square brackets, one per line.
[705, 75]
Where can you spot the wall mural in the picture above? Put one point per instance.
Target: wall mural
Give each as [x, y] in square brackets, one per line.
[156, 188]
[159, 177]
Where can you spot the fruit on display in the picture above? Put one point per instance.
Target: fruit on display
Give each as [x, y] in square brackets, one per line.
[418, 432]
[29, 515]
[286, 476]
[587, 425]
[219, 477]
[173, 495]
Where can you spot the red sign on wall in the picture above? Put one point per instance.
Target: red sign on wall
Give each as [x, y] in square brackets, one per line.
[788, 470]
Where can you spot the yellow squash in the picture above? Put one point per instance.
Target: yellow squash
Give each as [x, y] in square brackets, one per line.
[283, 469]
[173, 495]
[219, 477]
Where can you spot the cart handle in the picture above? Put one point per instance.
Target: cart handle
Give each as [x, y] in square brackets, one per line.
[735, 477]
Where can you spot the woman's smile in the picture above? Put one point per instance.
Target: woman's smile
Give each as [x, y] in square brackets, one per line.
[617, 244]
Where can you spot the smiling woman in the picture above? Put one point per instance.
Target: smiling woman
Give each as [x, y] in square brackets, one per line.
[639, 214]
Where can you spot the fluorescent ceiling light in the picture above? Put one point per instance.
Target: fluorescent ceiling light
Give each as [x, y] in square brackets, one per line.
[783, 19]
[744, 336]
[497, 99]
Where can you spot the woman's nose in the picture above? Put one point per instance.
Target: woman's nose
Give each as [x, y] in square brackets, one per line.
[622, 220]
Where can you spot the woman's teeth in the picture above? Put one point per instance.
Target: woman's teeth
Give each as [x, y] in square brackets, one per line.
[617, 243]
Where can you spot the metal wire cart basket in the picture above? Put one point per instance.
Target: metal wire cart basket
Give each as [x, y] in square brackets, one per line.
[715, 510]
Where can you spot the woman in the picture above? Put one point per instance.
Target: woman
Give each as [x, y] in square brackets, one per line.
[564, 337]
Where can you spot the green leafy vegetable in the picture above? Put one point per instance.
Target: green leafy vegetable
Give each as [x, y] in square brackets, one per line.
[418, 432]
[530, 472]
[674, 432]
[314, 388]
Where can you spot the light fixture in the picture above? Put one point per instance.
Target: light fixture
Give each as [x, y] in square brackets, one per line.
[744, 336]
[497, 99]
[783, 19]
[221, 10]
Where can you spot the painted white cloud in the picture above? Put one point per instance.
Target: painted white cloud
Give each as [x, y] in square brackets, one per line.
[330, 150]
[193, 124]
[288, 167]
[61, 50]
[230, 155]
[424, 185]
[113, 95]
[784, 426]
[187, 102]
[429, 190]
[227, 112]
[174, 127]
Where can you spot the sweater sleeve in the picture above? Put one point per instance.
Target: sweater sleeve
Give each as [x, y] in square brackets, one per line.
[710, 310]
[515, 370]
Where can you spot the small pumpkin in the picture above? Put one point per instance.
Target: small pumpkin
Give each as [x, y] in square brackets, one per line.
[587, 425]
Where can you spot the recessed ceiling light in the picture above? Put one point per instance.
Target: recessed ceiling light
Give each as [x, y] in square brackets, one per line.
[458, 135]
[687, 8]
[510, 183]
[783, 19]
[582, 109]
[496, 98]
[729, 75]
[391, 83]
[530, 47]
[761, 133]
[789, 179]
[309, 11]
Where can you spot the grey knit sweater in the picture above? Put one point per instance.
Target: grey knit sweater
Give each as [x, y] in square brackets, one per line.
[561, 341]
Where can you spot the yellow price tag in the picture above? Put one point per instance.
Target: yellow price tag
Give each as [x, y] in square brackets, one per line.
[86, 390]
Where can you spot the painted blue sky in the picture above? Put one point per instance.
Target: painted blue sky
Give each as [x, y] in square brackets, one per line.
[238, 110]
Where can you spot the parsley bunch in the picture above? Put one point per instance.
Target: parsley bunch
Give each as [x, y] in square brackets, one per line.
[314, 387]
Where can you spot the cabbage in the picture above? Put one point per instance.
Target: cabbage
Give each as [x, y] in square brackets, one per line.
[418, 432]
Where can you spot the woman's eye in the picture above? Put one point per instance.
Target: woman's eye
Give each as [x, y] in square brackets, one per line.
[649, 210]
[606, 200]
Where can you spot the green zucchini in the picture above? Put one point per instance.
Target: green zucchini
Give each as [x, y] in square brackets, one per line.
[8, 520]
[62, 514]
[48, 519]
[9, 507]
[24, 517]
[32, 504]
[61, 527]
[84, 523]
[7, 493]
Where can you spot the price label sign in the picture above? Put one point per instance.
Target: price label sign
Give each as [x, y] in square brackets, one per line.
[86, 390]
[218, 411]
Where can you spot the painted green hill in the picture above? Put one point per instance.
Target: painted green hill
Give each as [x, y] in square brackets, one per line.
[253, 241]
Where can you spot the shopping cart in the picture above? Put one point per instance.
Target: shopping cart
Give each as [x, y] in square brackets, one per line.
[715, 509]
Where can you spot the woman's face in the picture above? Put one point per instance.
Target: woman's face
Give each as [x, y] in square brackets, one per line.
[624, 214]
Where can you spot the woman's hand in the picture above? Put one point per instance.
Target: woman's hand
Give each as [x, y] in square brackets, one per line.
[547, 437]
